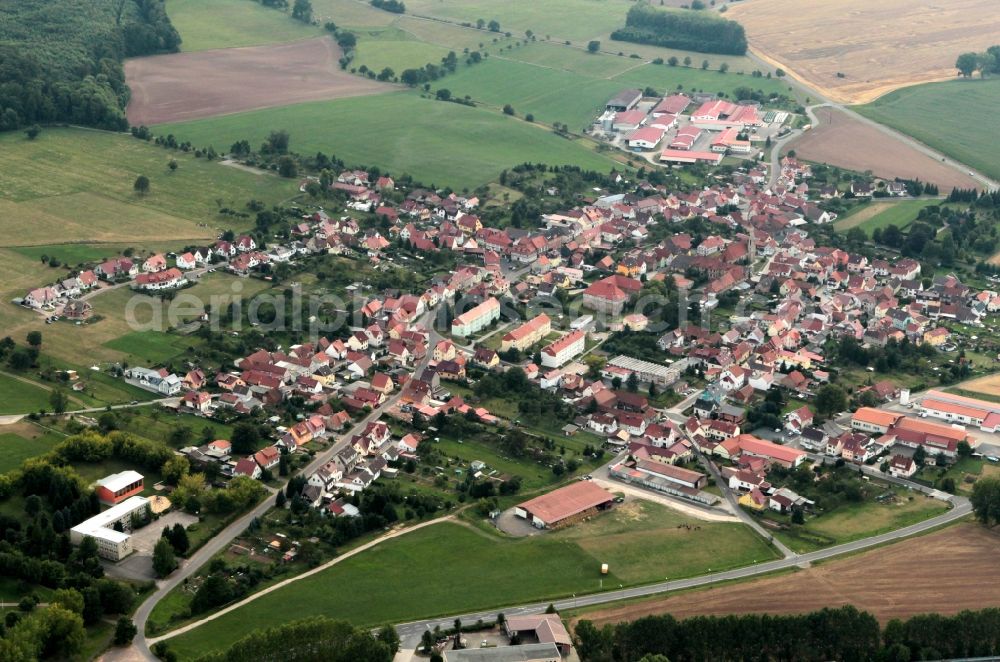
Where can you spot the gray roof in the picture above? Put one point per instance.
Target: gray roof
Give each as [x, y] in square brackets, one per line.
[525, 653]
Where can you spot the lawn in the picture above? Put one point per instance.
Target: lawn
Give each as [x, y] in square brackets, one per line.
[570, 58]
[21, 441]
[855, 521]
[157, 424]
[641, 542]
[232, 23]
[900, 214]
[150, 347]
[948, 117]
[20, 397]
[436, 142]
[72, 185]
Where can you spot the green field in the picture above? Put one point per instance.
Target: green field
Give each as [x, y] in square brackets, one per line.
[900, 214]
[21, 441]
[436, 142]
[351, 13]
[152, 347]
[952, 117]
[416, 576]
[560, 19]
[231, 23]
[74, 254]
[856, 521]
[76, 185]
[19, 397]
[395, 49]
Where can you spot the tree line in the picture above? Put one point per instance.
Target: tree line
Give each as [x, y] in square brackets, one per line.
[318, 639]
[689, 31]
[61, 61]
[845, 634]
[986, 63]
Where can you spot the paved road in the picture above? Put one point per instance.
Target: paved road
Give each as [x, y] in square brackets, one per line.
[975, 178]
[410, 632]
[221, 541]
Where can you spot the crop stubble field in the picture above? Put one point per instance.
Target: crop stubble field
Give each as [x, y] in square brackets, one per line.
[849, 143]
[897, 581]
[877, 46]
[187, 86]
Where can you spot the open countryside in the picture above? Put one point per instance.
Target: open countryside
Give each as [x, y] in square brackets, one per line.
[898, 581]
[948, 117]
[514, 571]
[843, 141]
[186, 86]
[845, 50]
[396, 328]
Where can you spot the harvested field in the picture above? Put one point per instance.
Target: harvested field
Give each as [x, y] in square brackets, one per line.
[187, 86]
[846, 142]
[897, 581]
[988, 385]
[877, 46]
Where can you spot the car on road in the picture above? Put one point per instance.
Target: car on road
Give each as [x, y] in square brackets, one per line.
[993, 458]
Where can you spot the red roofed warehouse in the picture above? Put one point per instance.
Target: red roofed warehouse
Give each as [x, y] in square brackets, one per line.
[564, 506]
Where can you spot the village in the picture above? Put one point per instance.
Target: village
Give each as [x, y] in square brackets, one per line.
[696, 411]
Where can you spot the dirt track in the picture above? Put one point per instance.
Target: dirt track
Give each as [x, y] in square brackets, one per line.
[877, 46]
[945, 572]
[846, 142]
[187, 86]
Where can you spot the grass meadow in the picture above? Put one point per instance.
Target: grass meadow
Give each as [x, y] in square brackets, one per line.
[21, 441]
[417, 574]
[437, 142]
[879, 215]
[233, 23]
[949, 117]
[75, 185]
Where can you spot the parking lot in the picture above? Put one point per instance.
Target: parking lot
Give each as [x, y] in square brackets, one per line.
[144, 539]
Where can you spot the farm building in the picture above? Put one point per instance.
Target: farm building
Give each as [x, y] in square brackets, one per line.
[545, 628]
[629, 120]
[686, 157]
[648, 137]
[719, 114]
[675, 104]
[564, 506]
[118, 487]
[624, 100]
[729, 141]
[685, 138]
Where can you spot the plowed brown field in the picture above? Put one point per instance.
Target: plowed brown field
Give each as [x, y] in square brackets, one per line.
[878, 46]
[944, 572]
[843, 141]
[187, 86]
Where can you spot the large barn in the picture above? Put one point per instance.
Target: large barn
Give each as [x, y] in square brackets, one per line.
[565, 505]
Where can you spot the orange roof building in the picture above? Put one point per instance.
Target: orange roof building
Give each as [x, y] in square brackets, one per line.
[565, 505]
[874, 421]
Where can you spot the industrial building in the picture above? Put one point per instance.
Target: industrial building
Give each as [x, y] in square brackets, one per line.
[648, 372]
